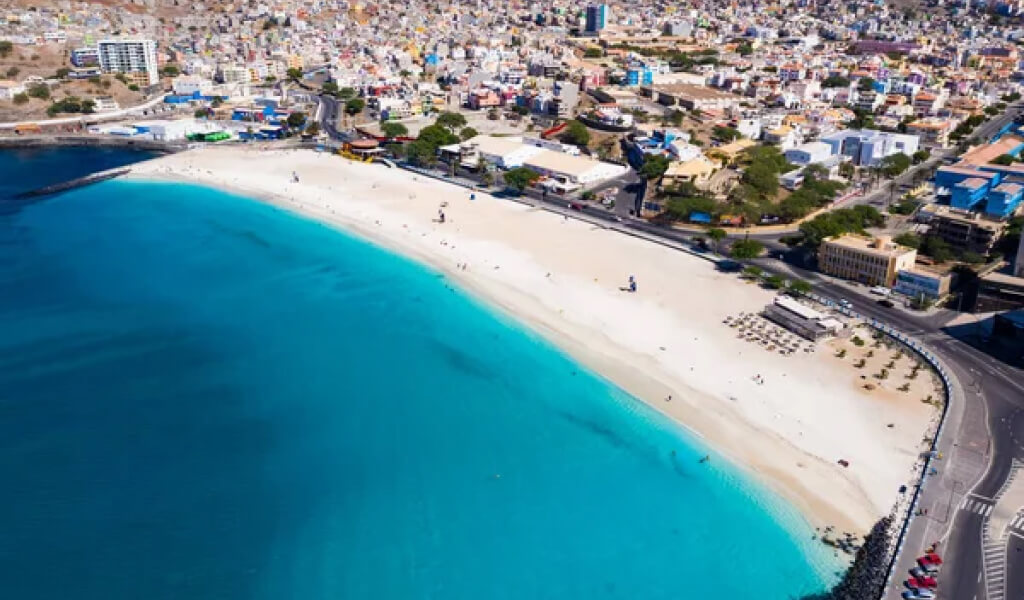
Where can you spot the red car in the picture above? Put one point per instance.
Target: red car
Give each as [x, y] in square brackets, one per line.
[922, 582]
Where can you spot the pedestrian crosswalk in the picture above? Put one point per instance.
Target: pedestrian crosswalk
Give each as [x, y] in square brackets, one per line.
[995, 567]
[1017, 522]
[978, 507]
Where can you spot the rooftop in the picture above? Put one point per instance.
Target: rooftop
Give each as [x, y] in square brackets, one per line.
[868, 245]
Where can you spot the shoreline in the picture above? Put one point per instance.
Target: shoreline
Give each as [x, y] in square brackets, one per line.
[821, 492]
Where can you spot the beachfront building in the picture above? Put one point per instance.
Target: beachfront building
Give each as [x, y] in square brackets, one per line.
[558, 163]
[802, 320]
[871, 261]
[135, 58]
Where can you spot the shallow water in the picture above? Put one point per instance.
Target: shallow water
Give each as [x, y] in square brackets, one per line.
[202, 396]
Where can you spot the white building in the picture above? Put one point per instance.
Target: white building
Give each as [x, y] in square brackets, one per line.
[868, 147]
[508, 153]
[809, 153]
[9, 89]
[133, 57]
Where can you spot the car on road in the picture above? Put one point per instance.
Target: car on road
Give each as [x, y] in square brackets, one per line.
[918, 594]
[884, 302]
[922, 582]
[844, 303]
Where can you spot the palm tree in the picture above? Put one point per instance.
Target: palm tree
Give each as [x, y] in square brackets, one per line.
[716, 235]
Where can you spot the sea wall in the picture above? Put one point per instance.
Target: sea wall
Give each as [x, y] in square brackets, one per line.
[41, 141]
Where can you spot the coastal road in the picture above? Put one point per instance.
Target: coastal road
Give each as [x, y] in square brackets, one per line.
[984, 433]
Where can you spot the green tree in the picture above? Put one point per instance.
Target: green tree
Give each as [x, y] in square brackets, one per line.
[294, 73]
[746, 248]
[894, 164]
[654, 166]
[468, 133]
[846, 169]
[834, 81]
[1003, 159]
[133, 87]
[576, 133]
[520, 178]
[62, 73]
[88, 107]
[20, 99]
[313, 129]
[775, 282]
[451, 121]
[346, 92]
[296, 119]
[354, 106]
[763, 178]
[330, 88]
[201, 113]
[799, 286]
[865, 84]
[972, 258]
[13, 72]
[421, 152]
[716, 235]
[170, 71]
[920, 156]
[745, 49]
[753, 272]
[436, 136]
[394, 130]
[908, 239]
[39, 90]
[593, 52]
[725, 134]
[5, 48]
[936, 248]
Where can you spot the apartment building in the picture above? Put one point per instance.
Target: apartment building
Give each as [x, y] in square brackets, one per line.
[135, 58]
[962, 230]
[871, 261]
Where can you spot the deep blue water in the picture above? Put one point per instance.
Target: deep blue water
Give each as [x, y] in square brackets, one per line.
[28, 169]
[204, 397]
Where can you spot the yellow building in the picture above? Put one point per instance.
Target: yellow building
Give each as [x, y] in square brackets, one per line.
[872, 261]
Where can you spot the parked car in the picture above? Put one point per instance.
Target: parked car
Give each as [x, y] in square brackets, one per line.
[922, 582]
[886, 303]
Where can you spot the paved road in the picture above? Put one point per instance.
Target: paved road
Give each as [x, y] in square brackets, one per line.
[989, 128]
[983, 434]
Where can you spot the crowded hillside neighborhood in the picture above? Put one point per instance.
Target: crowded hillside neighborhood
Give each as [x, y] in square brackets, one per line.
[878, 141]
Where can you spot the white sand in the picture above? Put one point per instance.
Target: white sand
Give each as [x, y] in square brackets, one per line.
[562, 277]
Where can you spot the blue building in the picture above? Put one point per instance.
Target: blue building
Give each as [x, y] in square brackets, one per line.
[597, 17]
[968, 193]
[997, 190]
[1004, 199]
[639, 76]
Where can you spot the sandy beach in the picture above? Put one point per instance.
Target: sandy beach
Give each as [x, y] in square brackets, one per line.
[788, 419]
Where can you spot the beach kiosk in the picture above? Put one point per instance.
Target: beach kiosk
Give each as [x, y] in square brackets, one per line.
[362, 150]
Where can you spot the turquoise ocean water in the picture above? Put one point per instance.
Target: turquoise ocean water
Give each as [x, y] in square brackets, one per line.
[205, 397]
